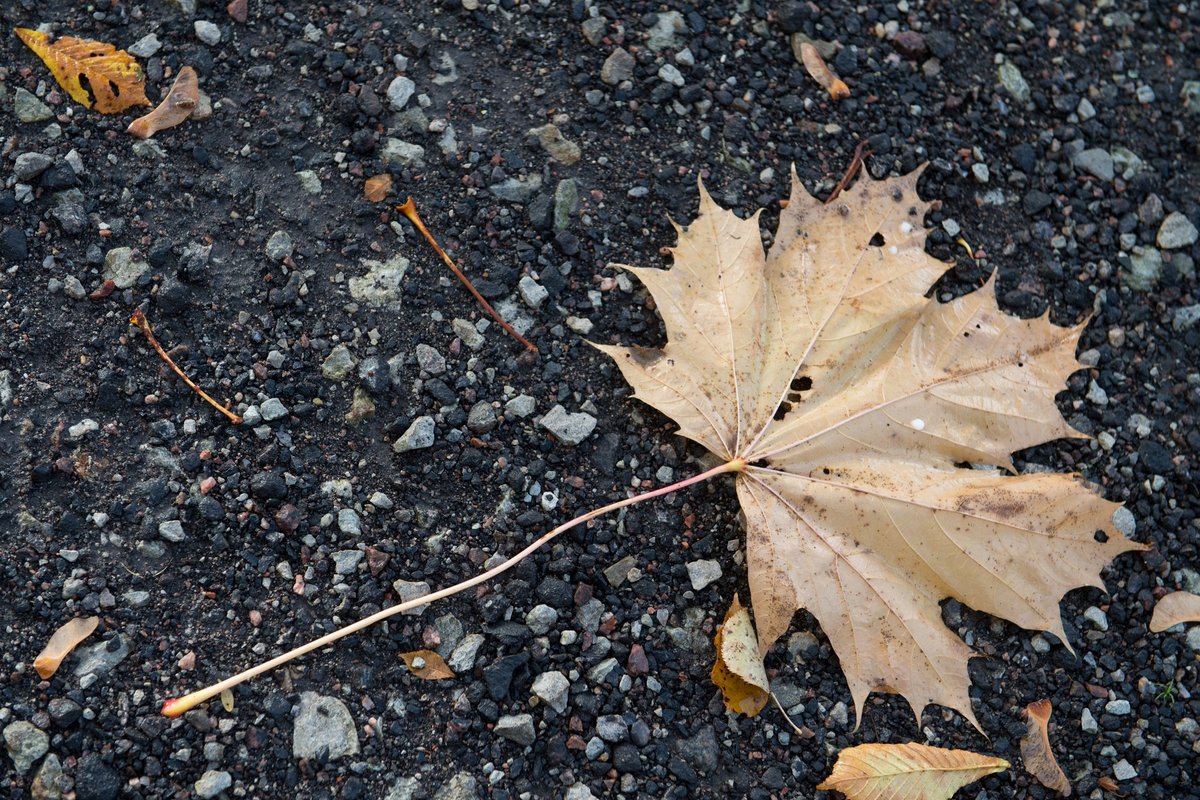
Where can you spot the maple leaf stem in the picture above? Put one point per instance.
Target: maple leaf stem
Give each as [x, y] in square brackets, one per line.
[174, 707]
[409, 210]
[143, 324]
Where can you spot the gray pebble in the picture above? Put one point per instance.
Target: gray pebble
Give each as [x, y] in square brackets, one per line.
[338, 363]
[570, 429]
[172, 530]
[462, 659]
[552, 688]
[279, 246]
[1176, 231]
[420, 435]
[212, 783]
[516, 728]
[430, 360]
[26, 743]
[617, 67]
[272, 410]
[323, 728]
[541, 619]
[702, 573]
[346, 561]
[399, 92]
[1088, 723]
[207, 32]
[349, 522]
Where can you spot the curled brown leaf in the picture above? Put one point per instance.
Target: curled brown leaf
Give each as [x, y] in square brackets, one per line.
[62, 642]
[1173, 609]
[176, 107]
[738, 669]
[1035, 749]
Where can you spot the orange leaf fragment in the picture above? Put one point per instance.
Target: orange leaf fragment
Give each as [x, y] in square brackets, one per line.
[427, 665]
[1035, 749]
[738, 669]
[95, 74]
[909, 771]
[1173, 609]
[377, 187]
[62, 642]
[177, 106]
[822, 74]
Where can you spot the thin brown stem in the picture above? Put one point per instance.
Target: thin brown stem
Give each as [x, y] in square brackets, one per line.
[860, 152]
[139, 319]
[176, 706]
[409, 209]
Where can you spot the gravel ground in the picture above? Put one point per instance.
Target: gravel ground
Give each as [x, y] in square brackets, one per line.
[394, 438]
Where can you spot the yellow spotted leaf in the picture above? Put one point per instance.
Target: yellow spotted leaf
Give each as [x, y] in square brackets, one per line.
[62, 642]
[96, 75]
[427, 665]
[738, 670]
[908, 771]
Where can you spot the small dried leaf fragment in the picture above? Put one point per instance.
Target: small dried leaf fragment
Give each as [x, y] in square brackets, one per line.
[377, 187]
[738, 670]
[95, 74]
[1173, 609]
[909, 771]
[1035, 749]
[227, 700]
[427, 665]
[822, 74]
[62, 642]
[176, 107]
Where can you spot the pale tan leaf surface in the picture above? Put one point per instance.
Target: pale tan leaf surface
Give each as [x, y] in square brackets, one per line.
[1035, 749]
[853, 398]
[62, 642]
[1173, 609]
[738, 669]
[95, 74]
[907, 772]
[427, 665]
[176, 107]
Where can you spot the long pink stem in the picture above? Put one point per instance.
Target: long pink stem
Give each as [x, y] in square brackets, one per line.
[177, 706]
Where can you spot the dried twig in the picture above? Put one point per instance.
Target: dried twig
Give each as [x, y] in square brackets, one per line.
[860, 152]
[143, 324]
[409, 209]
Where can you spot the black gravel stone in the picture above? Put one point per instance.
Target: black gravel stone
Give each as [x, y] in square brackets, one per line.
[555, 592]
[1036, 201]
[268, 486]
[1155, 458]
[501, 674]
[64, 711]
[12, 245]
[59, 176]
[95, 780]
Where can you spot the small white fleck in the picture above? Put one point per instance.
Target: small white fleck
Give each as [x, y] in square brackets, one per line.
[906, 227]
[918, 424]
[893, 250]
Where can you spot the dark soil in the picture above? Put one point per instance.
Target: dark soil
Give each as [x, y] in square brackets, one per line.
[86, 519]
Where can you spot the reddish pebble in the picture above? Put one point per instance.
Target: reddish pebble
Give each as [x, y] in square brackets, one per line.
[637, 664]
[288, 518]
[207, 485]
[188, 661]
[239, 10]
[576, 742]
[256, 618]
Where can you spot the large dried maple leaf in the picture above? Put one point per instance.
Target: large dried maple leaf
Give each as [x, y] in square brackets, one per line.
[850, 401]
